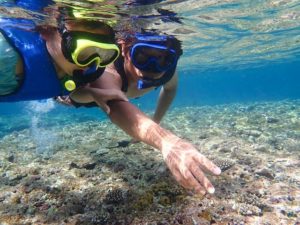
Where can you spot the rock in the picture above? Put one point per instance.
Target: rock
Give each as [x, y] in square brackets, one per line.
[203, 136]
[291, 214]
[123, 144]
[250, 108]
[89, 166]
[265, 173]
[119, 167]
[73, 165]
[224, 150]
[254, 133]
[11, 158]
[102, 151]
[272, 120]
[249, 210]
[261, 148]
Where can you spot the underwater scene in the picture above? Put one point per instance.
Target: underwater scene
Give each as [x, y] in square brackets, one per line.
[238, 103]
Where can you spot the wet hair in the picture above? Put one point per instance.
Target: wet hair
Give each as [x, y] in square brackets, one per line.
[175, 44]
[93, 25]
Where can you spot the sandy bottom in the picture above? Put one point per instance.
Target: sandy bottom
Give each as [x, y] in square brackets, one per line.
[84, 173]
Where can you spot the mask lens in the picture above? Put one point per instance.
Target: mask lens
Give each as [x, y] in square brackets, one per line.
[146, 56]
[102, 56]
[140, 56]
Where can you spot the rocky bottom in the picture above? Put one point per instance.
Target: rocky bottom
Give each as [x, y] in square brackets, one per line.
[87, 173]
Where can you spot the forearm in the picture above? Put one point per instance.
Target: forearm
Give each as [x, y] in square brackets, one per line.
[166, 98]
[139, 126]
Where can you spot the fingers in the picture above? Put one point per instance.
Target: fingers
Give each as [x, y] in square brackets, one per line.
[188, 170]
[123, 97]
[200, 176]
[106, 108]
[65, 100]
[188, 167]
[193, 183]
[206, 164]
[103, 106]
[118, 95]
[188, 181]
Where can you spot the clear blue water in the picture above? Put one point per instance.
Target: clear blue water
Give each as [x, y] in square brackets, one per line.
[234, 51]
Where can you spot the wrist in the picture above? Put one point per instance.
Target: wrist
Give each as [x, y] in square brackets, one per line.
[156, 136]
[168, 143]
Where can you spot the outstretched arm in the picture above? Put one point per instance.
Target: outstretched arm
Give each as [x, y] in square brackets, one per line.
[166, 97]
[184, 161]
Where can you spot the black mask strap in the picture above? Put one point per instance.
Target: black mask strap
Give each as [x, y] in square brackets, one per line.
[82, 78]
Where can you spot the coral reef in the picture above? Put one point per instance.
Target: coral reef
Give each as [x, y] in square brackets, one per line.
[92, 176]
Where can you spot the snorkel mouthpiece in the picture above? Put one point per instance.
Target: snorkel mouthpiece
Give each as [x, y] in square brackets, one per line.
[82, 77]
[70, 85]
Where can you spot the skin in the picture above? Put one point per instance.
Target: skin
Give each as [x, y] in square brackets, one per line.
[184, 161]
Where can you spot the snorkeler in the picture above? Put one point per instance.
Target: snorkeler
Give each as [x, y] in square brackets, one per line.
[147, 62]
[47, 61]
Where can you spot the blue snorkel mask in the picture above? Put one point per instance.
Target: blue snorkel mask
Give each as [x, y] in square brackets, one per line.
[155, 54]
[152, 57]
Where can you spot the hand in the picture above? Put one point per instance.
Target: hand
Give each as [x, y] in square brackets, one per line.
[102, 96]
[188, 166]
[65, 100]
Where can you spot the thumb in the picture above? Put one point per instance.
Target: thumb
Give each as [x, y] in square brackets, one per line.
[121, 96]
[103, 106]
[106, 108]
[124, 98]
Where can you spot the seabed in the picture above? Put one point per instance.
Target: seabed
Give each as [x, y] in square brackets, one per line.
[84, 173]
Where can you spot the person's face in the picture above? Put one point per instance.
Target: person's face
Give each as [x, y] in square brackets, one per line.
[143, 56]
[148, 53]
[87, 47]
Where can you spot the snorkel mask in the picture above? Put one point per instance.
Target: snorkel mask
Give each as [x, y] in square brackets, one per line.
[87, 49]
[155, 54]
[84, 48]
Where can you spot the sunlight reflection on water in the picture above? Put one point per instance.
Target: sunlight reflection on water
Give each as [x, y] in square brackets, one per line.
[216, 34]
